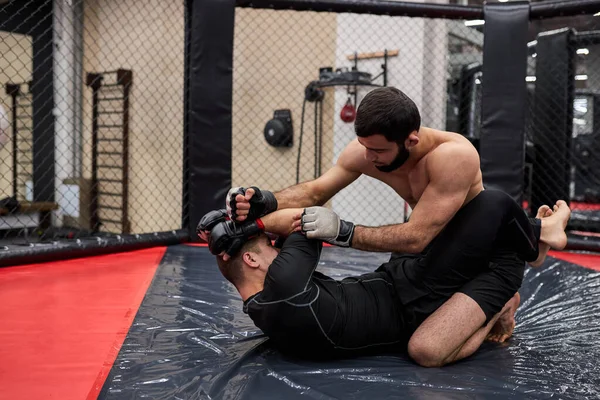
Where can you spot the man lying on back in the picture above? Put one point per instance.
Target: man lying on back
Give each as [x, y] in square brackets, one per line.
[309, 314]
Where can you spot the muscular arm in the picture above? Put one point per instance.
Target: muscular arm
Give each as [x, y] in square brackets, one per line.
[318, 191]
[315, 192]
[451, 171]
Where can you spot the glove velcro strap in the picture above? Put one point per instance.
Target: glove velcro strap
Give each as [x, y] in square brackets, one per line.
[346, 232]
[268, 200]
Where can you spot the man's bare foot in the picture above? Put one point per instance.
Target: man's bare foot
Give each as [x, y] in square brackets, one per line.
[505, 325]
[553, 227]
[543, 212]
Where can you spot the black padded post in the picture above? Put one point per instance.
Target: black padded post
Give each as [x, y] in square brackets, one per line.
[34, 18]
[207, 158]
[466, 99]
[504, 97]
[43, 106]
[552, 117]
[23, 16]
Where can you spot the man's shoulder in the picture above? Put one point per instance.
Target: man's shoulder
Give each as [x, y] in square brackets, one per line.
[352, 150]
[352, 157]
[457, 147]
[452, 159]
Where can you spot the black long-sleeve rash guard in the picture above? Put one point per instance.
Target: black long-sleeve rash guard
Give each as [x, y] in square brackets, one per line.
[481, 253]
[305, 312]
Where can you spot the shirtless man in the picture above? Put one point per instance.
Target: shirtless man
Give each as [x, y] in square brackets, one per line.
[435, 172]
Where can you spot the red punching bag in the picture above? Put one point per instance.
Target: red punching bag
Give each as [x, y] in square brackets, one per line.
[348, 113]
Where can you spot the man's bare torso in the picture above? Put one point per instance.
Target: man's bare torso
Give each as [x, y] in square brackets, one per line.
[411, 180]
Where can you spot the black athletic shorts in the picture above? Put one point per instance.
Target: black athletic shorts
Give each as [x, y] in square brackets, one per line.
[480, 253]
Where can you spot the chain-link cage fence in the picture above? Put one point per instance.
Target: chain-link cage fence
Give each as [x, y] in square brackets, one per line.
[92, 108]
[584, 149]
[92, 118]
[561, 158]
[563, 137]
[311, 70]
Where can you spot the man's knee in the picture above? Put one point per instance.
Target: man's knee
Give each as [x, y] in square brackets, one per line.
[494, 198]
[425, 353]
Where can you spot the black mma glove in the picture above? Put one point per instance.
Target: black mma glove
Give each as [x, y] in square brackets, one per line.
[322, 223]
[210, 219]
[262, 203]
[229, 236]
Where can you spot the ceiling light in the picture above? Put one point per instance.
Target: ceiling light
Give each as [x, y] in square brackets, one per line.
[474, 22]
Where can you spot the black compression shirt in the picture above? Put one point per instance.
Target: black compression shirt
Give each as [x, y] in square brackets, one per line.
[307, 313]
[479, 253]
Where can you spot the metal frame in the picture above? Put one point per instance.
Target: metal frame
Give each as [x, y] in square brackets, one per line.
[16, 93]
[123, 80]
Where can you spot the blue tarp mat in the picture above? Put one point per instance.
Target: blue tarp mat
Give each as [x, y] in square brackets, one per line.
[191, 340]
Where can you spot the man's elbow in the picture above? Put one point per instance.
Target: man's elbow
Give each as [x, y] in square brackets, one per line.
[320, 200]
[318, 197]
[416, 247]
[417, 244]
[311, 195]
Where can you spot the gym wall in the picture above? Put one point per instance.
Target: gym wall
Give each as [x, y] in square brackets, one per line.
[419, 70]
[277, 54]
[148, 39]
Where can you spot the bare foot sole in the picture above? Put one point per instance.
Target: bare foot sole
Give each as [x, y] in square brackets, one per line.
[543, 212]
[553, 227]
[505, 325]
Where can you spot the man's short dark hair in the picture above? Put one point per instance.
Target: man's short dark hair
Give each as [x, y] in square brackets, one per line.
[233, 269]
[389, 112]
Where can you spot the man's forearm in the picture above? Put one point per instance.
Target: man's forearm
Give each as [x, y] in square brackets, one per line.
[298, 196]
[399, 238]
[280, 222]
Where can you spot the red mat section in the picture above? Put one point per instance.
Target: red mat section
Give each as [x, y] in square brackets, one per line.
[586, 260]
[584, 206]
[63, 323]
[576, 206]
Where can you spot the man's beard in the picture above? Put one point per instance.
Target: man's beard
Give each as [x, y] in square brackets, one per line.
[397, 162]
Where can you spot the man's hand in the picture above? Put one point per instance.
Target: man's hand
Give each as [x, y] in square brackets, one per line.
[208, 222]
[227, 238]
[322, 223]
[249, 204]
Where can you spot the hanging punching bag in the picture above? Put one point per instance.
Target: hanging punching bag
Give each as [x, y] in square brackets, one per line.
[348, 113]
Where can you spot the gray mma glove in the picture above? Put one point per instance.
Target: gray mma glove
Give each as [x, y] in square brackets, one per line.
[322, 223]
